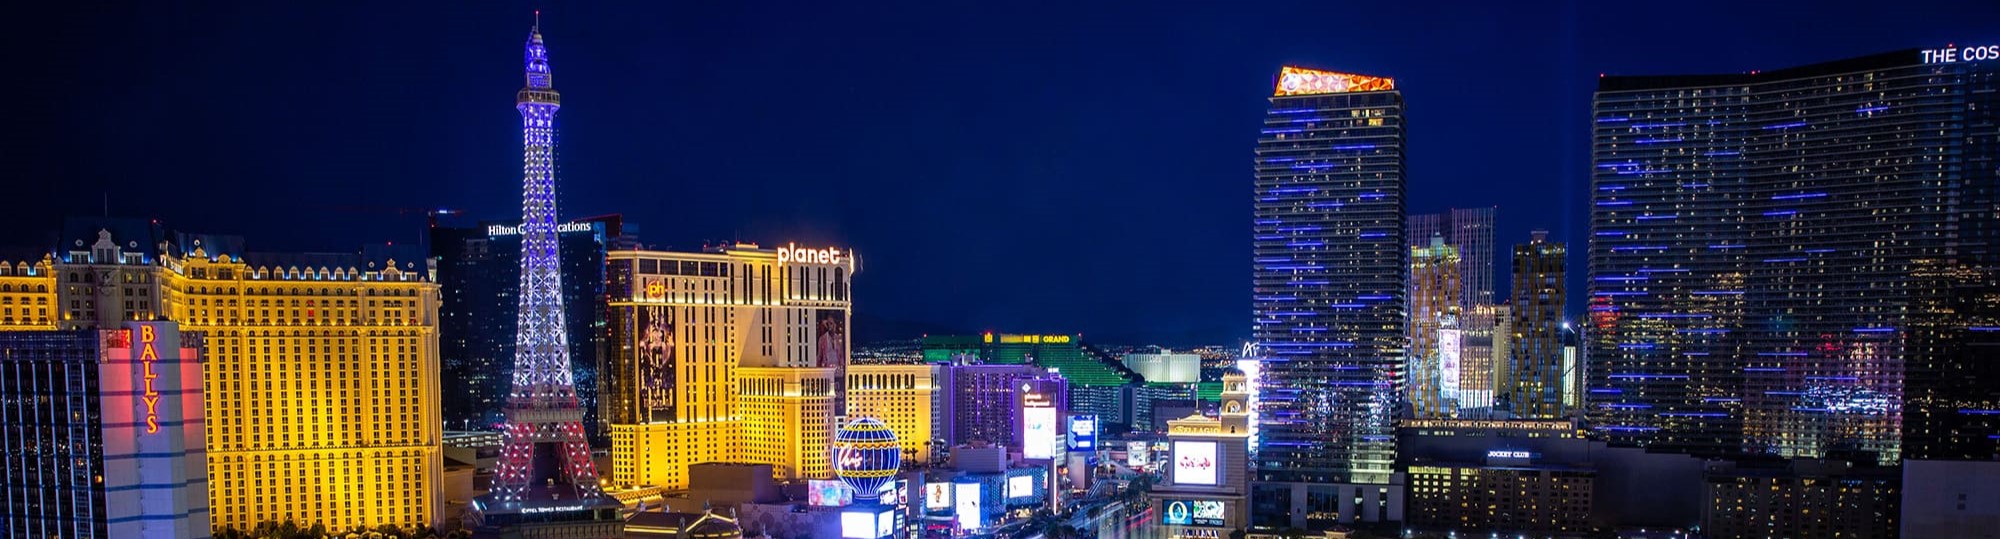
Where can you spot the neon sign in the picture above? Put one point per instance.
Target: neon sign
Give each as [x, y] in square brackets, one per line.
[148, 353]
[504, 230]
[1950, 55]
[1031, 339]
[791, 253]
[1300, 81]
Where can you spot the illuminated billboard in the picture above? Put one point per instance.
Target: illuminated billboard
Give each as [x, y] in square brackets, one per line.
[828, 493]
[829, 338]
[1301, 81]
[1448, 363]
[1038, 433]
[899, 495]
[655, 363]
[1083, 432]
[1193, 513]
[1021, 486]
[937, 496]
[1137, 454]
[857, 525]
[965, 498]
[1195, 463]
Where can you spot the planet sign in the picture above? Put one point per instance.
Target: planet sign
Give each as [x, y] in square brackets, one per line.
[866, 456]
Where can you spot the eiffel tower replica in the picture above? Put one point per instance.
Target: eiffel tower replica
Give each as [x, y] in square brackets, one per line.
[547, 486]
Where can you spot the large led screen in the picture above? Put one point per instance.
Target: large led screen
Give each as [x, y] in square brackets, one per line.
[937, 496]
[1038, 433]
[1083, 432]
[1020, 486]
[965, 497]
[857, 525]
[1195, 463]
[828, 493]
[1448, 367]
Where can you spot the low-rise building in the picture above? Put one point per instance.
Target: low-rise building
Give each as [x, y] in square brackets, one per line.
[1800, 498]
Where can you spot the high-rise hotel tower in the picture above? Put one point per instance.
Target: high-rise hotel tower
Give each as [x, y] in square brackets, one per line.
[1329, 296]
[1759, 242]
[734, 354]
[318, 380]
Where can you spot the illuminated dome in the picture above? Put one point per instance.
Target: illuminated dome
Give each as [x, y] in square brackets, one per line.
[866, 456]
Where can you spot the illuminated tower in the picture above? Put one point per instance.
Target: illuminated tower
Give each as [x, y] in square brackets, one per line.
[1330, 297]
[1535, 385]
[545, 467]
[1433, 370]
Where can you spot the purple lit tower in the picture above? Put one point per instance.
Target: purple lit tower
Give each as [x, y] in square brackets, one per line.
[547, 485]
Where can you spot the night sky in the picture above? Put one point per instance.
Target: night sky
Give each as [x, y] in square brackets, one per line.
[1028, 168]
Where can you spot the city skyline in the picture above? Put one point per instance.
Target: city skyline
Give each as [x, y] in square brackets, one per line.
[1770, 315]
[656, 124]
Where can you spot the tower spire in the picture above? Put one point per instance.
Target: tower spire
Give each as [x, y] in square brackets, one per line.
[545, 462]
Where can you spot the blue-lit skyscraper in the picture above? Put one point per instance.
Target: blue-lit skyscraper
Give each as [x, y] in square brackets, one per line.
[1758, 242]
[1329, 284]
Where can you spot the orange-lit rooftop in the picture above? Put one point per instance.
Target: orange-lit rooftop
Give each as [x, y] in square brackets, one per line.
[1302, 81]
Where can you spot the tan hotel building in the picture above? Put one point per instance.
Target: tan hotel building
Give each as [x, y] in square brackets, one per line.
[740, 354]
[321, 378]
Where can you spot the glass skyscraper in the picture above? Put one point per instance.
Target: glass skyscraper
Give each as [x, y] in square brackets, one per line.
[1757, 244]
[480, 270]
[1470, 231]
[1329, 291]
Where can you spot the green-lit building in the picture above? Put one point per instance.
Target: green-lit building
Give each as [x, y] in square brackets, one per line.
[1098, 383]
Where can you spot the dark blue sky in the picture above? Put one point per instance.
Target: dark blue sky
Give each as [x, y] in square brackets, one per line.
[1023, 167]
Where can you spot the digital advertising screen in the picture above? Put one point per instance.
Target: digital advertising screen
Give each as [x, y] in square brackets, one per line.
[1021, 486]
[1038, 433]
[1138, 454]
[937, 496]
[885, 524]
[965, 499]
[1083, 433]
[1448, 363]
[1195, 463]
[829, 338]
[1207, 513]
[857, 525]
[655, 362]
[1193, 513]
[828, 493]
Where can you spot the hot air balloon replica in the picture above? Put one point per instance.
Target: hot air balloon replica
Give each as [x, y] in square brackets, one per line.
[866, 456]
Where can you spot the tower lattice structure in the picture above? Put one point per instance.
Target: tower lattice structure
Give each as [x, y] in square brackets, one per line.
[543, 412]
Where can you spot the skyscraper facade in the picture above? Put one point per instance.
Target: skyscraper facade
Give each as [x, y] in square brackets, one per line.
[1329, 295]
[1485, 349]
[345, 344]
[1754, 240]
[1470, 231]
[1535, 388]
[547, 484]
[976, 402]
[104, 433]
[1435, 340]
[735, 354]
[479, 273]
